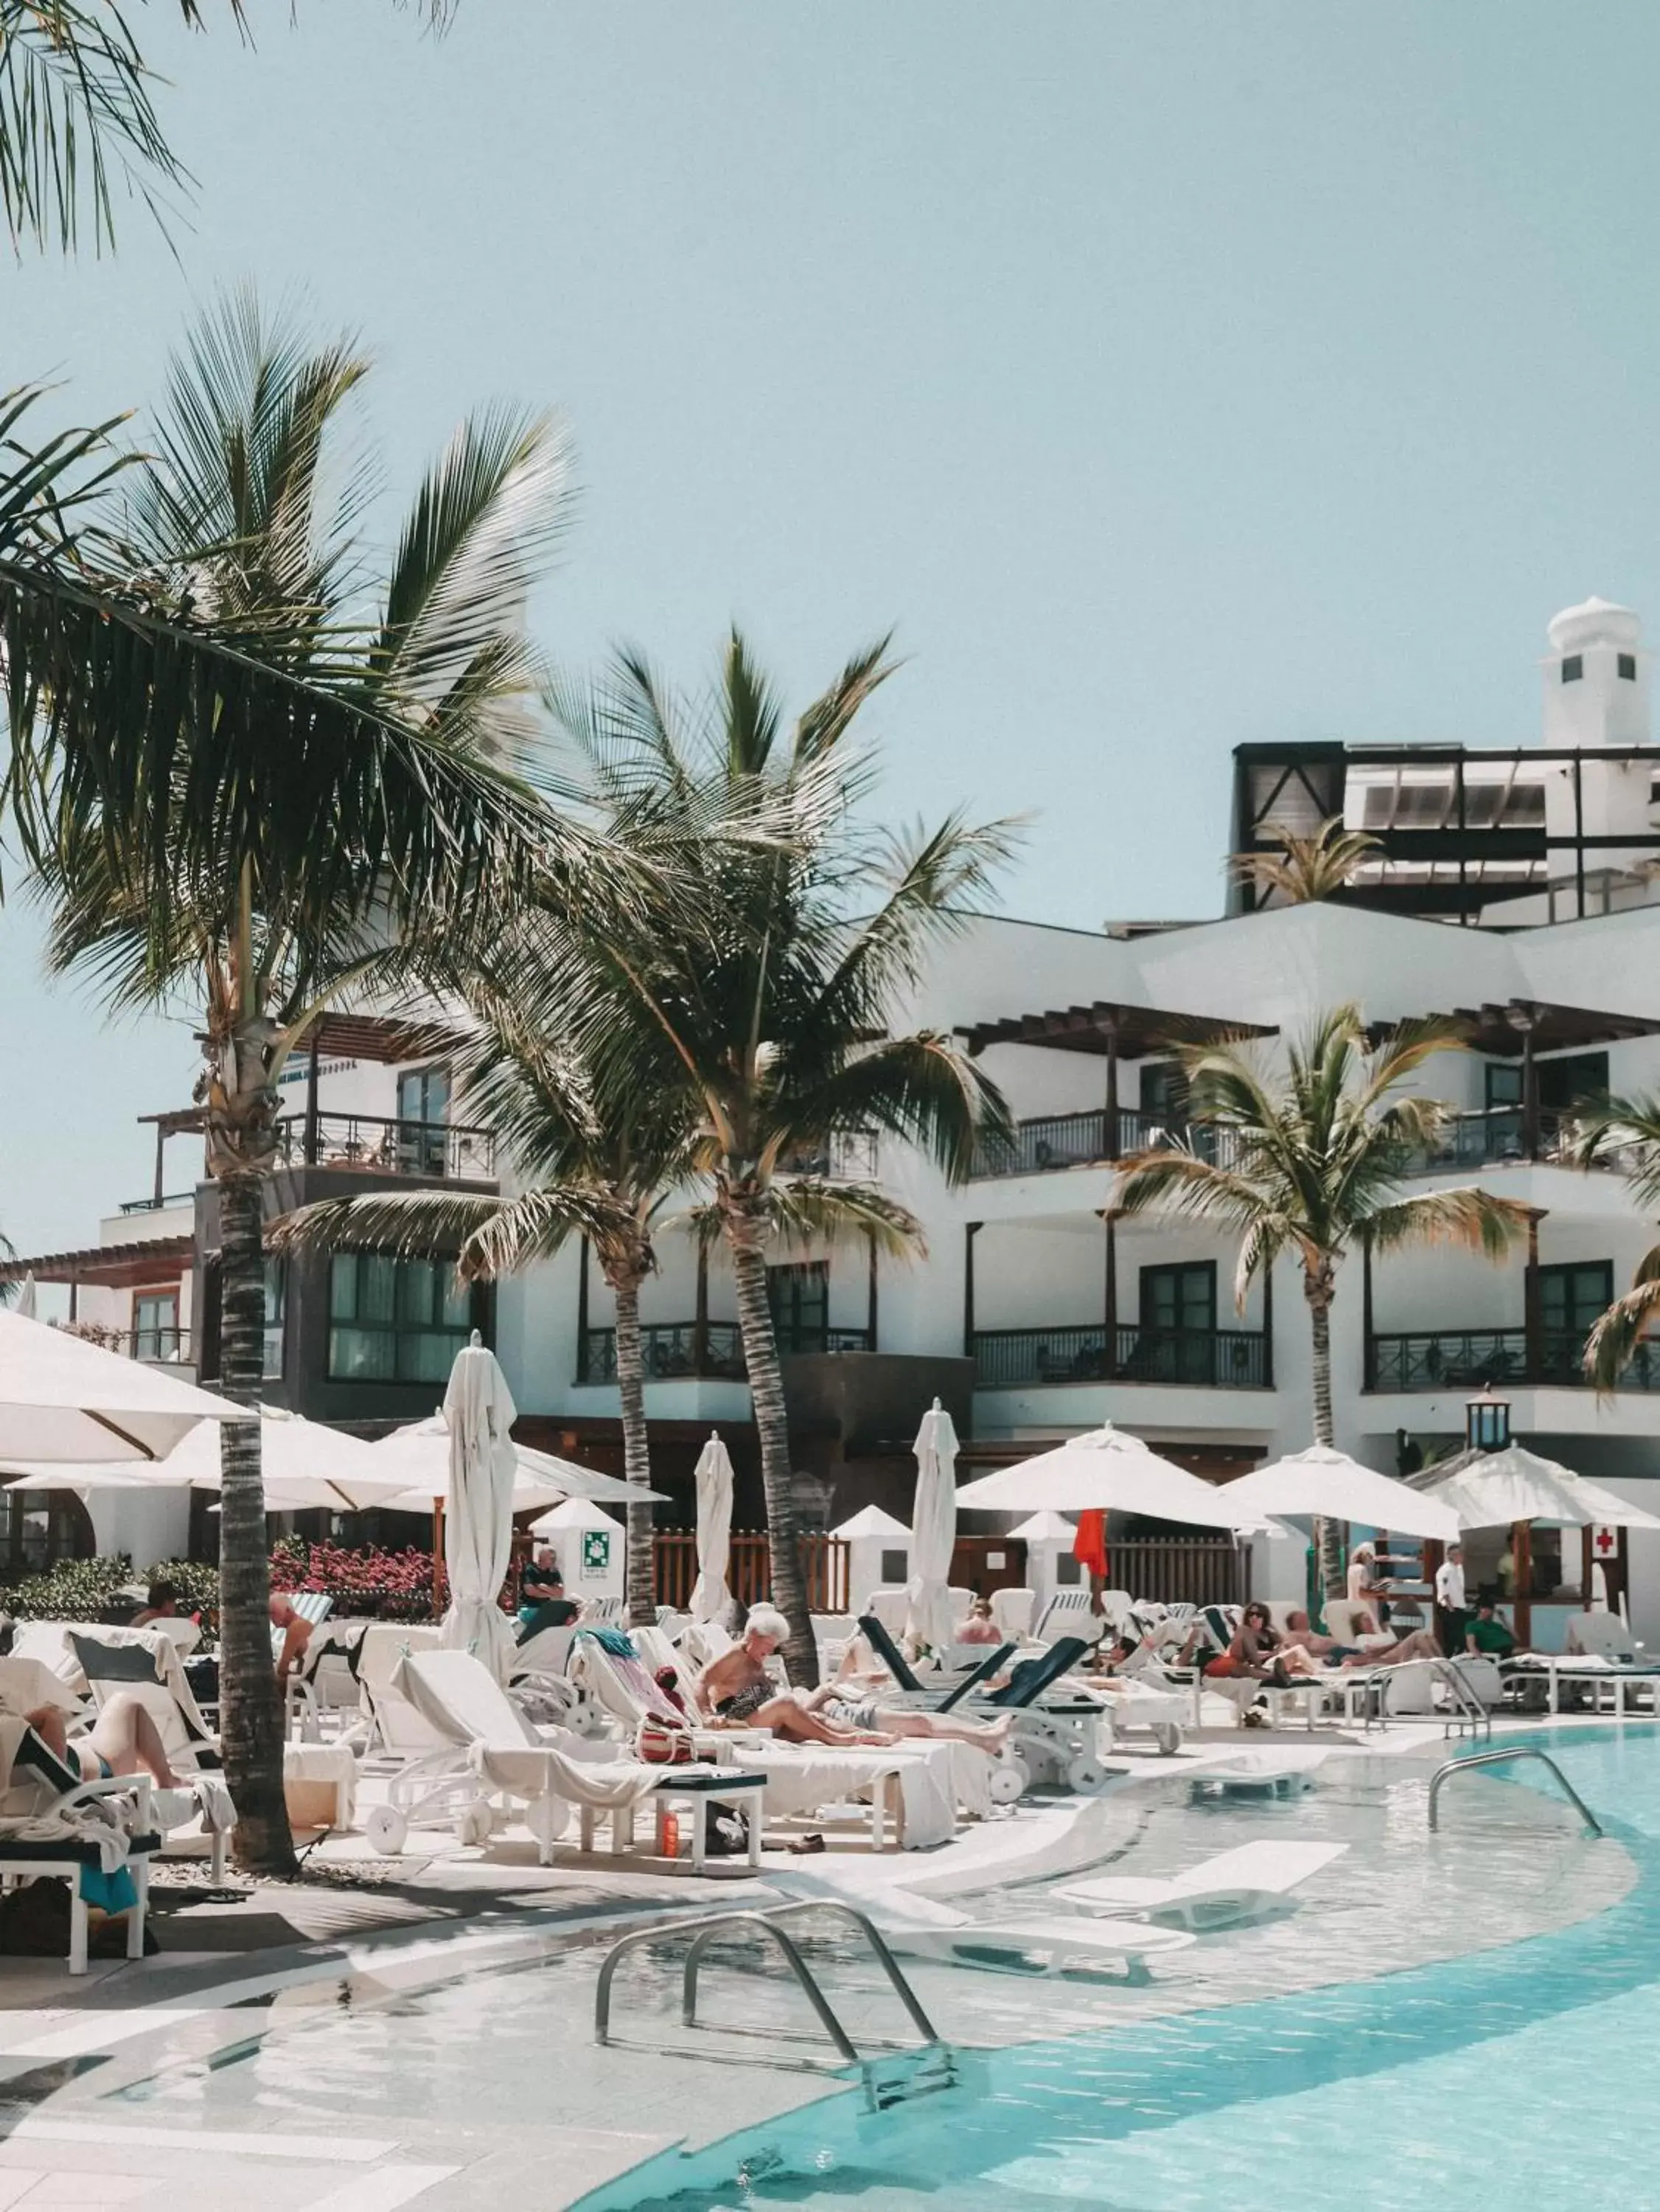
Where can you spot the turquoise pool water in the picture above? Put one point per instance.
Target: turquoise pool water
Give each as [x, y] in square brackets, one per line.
[1531, 2070]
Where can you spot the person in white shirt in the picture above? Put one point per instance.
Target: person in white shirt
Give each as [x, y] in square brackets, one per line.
[1451, 1610]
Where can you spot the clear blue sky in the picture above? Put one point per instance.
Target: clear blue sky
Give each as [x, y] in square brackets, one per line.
[1171, 375]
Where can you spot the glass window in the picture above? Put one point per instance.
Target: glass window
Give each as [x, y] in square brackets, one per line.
[1504, 1083]
[1179, 1297]
[1163, 1092]
[1564, 1082]
[395, 1321]
[423, 1110]
[1572, 1297]
[800, 1299]
[1627, 666]
[1573, 668]
[155, 1325]
[276, 1314]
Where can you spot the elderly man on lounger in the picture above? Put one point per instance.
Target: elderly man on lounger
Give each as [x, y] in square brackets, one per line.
[735, 1688]
[1420, 1644]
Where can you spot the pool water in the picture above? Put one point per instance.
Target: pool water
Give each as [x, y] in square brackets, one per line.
[1533, 2067]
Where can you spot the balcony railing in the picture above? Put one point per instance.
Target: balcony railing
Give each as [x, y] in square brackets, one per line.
[165, 1347]
[159, 1204]
[672, 1349]
[1470, 1359]
[1200, 1358]
[1077, 1141]
[371, 1144]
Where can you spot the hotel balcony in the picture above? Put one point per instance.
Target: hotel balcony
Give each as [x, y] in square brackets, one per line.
[710, 1351]
[1204, 1360]
[1504, 1358]
[1090, 1139]
[373, 1144]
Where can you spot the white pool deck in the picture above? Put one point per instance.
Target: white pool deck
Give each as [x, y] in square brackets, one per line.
[56, 2037]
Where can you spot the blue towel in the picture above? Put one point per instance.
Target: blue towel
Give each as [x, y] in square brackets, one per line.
[614, 1640]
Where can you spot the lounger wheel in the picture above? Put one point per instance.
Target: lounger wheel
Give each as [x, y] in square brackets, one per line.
[1167, 1735]
[473, 1824]
[1086, 1777]
[1010, 1779]
[386, 1829]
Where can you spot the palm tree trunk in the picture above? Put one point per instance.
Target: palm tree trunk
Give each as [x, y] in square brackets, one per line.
[250, 1705]
[760, 1358]
[1328, 1546]
[636, 1455]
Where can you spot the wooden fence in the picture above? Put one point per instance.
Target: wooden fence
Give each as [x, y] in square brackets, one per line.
[749, 1573]
[1181, 1570]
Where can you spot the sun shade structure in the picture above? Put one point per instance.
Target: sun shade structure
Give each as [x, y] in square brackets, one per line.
[710, 1595]
[933, 1531]
[420, 1453]
[478, 1522]
[63, 1399]
[1500, 1488]
[1110, 1471]
[303, 1464]
[1323, 1481]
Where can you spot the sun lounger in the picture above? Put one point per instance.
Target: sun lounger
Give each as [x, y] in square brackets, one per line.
[1234, 1886]
[49, 1830]
[919, 1928]
[146, 1664]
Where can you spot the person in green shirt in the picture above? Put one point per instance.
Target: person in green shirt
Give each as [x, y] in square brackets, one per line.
[1486, 1633]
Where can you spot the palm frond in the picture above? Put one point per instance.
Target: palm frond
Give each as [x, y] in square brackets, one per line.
[1626, 1131]
[1613, 1342]
[1307, 866]
[484, 1236]
[1470, 1219]
[809, 1210]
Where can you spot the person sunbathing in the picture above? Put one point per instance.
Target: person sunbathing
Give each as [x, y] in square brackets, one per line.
[296, 1633]
[1257, 1652]
[123, 1740]
[737, 1691]
[1420, 1645]
[979, 1627]
[851, 1699]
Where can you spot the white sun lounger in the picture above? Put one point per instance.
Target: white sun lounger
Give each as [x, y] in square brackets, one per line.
[918, 1928]
[1234, 1886]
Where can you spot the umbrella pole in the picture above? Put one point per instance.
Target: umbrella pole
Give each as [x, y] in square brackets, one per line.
[437, 1551]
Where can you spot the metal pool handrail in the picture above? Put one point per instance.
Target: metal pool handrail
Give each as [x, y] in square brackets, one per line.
[1497, 1758]
[704, 1932]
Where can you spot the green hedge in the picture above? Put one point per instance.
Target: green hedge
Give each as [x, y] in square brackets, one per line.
[79, 1589]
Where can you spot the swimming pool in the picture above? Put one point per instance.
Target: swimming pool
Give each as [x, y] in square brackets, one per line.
[1533, 2067]
[1480, 2053]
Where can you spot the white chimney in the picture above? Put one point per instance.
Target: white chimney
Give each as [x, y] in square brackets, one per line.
[1596, 677]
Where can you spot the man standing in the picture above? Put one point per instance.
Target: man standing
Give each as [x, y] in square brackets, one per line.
[1450, 1610]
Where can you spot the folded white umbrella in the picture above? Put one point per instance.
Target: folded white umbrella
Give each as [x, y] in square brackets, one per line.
[1108, 1470]
[420, 1454]
[933, 1531]
[710, 1595]
[64, 1399]
[303, 1464]
[1324, 1482]
[478, 1521]
[26, 1299]
[1516, 1485]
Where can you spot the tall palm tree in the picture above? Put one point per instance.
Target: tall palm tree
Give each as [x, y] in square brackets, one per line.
[1312, 1164]
[261, 864]
[76, 117]
[1306, 867]
[757, 986]
[603, 1172]
[1624, 1133]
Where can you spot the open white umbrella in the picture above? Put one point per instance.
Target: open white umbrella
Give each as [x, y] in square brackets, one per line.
[933, 1531]
[1107, 1470]
[64, 1399]
[1324, 1482]
[478, 1529]
[710, 1595]
[420, 1453]
[1503, 1487]
[302, 1464]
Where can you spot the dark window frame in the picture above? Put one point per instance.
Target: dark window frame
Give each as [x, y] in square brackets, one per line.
[795, 1329]
[401, 1327]
[1573, 668]
[1174, 1271]
[1626, 667]
[1578, 1317]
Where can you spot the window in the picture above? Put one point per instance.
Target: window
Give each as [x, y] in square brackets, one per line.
[423, 1109]
[38, 1528]
[800, 1299]
[1627, 665]
[1163, 1092]
[1176, 1342]
[1503, 1084]
[1573, 668]
[1564, 1082]
[155, 1325]
[395, 1321]
[1572, 1297]
[276, 1314]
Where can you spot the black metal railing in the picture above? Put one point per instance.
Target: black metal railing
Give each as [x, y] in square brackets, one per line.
[1200, 1358]
[1076, 1140]
[373, 1143]
[157, 1205]
[673, 1349]
[162, 1346]
[1471, 1359]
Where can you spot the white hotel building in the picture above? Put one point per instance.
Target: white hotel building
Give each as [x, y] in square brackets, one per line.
[1513, 890]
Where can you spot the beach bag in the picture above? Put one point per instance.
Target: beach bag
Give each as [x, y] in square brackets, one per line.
[659, 1745]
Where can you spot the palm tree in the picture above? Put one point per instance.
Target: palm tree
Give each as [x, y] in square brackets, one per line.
[605, 1175]
[1306, 867]
[1624, 1132]
[743, 986]
[76, 116]
[263, 862]
[1313, 1164]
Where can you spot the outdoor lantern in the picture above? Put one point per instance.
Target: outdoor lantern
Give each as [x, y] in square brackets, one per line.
[1486, 1422]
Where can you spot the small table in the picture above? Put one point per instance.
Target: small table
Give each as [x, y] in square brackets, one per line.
[699, 1788]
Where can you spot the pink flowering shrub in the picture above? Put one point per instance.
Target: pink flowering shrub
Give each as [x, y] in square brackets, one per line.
[371, 1583]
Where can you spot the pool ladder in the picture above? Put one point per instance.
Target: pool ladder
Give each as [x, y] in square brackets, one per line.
[705, 1930]
[1498, 1759]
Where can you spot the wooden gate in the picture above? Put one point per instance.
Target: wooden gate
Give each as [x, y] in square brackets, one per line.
[749, 1571]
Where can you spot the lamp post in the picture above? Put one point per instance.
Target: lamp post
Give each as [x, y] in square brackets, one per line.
[1486, 1422]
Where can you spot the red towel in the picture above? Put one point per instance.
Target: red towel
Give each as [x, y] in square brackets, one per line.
[1089, 1545]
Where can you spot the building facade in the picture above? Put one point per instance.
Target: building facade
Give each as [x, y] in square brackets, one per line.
[1512, 892]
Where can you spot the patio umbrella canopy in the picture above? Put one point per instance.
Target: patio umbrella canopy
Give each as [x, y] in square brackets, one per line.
[63, 1399]
[1515, 1485]
[1110, 1471]
[420, 1454]
[933, 1531]
[1327, 1482]
[303, 1464]
[478, 1526]
[710, 1595]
